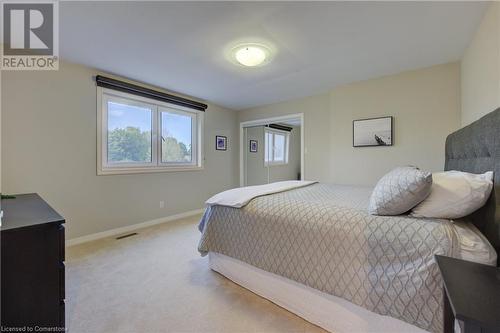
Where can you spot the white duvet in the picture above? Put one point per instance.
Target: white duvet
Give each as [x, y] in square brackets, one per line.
[241, 196]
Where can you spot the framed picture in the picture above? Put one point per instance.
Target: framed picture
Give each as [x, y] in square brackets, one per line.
[220, 142]
[253, 146]
[372, 132]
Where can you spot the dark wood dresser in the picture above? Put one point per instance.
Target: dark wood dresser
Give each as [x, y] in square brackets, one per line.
[32, 263]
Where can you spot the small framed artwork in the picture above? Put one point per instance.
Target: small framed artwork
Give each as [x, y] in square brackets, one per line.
[220, 142]
[253, 146]
[372, 132]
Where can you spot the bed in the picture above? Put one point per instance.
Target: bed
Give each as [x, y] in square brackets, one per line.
[316, 251]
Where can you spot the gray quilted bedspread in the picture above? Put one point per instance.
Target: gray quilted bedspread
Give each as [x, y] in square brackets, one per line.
[322, 236]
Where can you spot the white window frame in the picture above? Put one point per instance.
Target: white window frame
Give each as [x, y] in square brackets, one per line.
[157, 165]
[272, 162]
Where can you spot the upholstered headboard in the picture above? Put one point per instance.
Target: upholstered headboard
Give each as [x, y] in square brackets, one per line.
[476, 148]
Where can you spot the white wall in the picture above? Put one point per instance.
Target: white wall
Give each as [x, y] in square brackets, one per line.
[480, 69]
[425, 104]
[426, 108]
[49, 147]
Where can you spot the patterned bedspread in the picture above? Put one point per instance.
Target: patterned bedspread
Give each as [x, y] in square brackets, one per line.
[322, 236]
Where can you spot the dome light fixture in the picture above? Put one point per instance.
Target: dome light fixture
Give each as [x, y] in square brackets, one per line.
[251, 55]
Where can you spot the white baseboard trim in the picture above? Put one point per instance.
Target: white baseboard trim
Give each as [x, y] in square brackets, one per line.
[133, 227]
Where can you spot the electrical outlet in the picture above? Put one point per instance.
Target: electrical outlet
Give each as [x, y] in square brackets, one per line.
[162, 204]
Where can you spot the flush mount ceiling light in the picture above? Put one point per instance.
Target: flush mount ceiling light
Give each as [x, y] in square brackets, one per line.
[251, 55]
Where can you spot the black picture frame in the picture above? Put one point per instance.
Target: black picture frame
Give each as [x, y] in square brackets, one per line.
[256, 143]
[223, 142]
[379, 142]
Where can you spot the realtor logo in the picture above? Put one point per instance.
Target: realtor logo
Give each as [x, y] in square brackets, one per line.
[30, 36]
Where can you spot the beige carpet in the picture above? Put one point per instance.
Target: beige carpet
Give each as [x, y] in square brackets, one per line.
[157, 282]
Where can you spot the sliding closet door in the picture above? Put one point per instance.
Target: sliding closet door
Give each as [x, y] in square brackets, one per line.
[256, 173]
[272, 153]
[284, 150]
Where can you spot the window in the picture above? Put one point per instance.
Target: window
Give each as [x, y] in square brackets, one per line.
[177, 137]
[142, 135]
[276, 147]
[129, 134]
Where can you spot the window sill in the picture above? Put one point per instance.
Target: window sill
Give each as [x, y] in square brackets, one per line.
[125, 171]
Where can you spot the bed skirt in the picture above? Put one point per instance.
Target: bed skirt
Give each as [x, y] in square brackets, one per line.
[332, 313]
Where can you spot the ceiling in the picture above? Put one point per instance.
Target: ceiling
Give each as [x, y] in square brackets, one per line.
[182, 46]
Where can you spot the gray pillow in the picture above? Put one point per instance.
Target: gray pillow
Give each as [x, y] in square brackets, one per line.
[399, 191]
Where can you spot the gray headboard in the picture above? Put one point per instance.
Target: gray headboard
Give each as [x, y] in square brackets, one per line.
[476, 148]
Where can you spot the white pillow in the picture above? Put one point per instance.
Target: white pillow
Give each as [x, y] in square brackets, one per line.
[455, 194]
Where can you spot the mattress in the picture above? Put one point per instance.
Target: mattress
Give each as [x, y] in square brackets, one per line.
[321, 236]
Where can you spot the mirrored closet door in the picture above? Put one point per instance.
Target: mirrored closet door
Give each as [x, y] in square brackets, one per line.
[272, 152]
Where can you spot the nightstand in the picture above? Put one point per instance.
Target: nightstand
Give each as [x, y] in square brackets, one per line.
[471, 295]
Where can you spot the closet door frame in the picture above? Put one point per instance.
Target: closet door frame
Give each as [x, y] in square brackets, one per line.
[264, 121]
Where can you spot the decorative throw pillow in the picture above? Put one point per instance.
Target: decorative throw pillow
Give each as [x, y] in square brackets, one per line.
[399, 191]
[455, 194]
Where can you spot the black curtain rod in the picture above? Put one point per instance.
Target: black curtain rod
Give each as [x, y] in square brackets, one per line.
[280, 127]
[110, 83]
